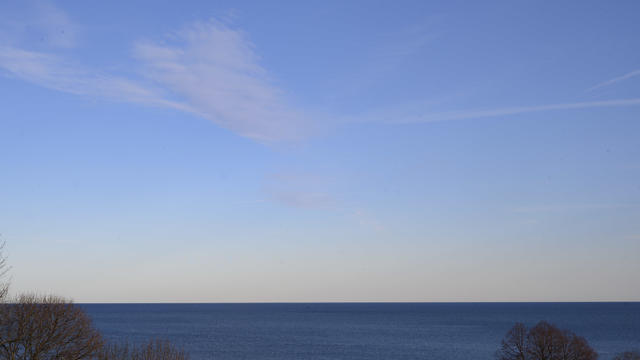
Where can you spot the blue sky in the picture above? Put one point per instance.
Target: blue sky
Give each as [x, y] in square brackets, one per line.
[338, 151]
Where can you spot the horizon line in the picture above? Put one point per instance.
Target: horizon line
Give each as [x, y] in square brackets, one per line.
[353, 302]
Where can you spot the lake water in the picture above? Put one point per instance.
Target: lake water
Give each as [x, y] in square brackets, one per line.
[448, 331]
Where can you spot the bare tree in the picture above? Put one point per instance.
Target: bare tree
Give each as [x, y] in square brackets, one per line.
[578, 348]
[36, 327]
[544, 341]
[46, 327]
[514, 344]
[153, 350]
[4, 271]
[51, 328]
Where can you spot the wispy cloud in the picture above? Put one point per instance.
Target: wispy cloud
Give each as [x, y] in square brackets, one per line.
[317, 192]
[302, 199]
[207, 69]
[476, 114]
[552, 208]
[615, 80]
[298, 190]
[214, 70]
[60, 74]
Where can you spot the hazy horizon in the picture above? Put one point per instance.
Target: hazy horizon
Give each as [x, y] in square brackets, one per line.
[240, 151]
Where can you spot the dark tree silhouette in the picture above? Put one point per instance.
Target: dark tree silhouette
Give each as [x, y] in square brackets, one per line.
[46, 327]
[51, 328]
[514, 344]
[544, 341]
[36, 327]
[4, 270]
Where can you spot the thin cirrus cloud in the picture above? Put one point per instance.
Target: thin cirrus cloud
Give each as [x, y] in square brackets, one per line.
[214, 70]
[476, 114]
[31, 34]
[207, 69]
[58, 73]
[615, 80]
[303, 191]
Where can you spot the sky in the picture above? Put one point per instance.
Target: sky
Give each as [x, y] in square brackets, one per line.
[251, 151]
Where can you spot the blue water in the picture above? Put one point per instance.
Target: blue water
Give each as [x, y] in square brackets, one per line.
[448, 331]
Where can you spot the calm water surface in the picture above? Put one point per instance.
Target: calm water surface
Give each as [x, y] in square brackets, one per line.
[448, 331]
